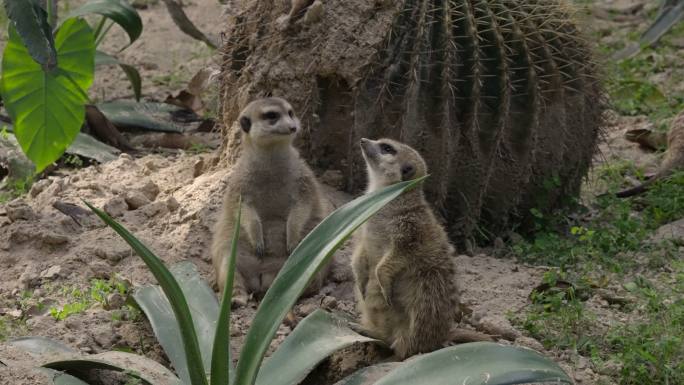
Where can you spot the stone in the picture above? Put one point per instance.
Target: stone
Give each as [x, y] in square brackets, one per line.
[30, 277]
[54, 239]
[136, 199]
[116, 206]
[18, 210]
[39, 187]
[52, 272]
[155, 208]
[150, 189]
[673, 231]
[172, 204]
[114, 301]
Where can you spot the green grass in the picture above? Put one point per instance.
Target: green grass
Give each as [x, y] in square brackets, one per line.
[609, 243]
[80, 300]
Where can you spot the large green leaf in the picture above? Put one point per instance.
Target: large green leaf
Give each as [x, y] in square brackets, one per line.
[220, 356]
[141, 367]
[60, 378]
[310, 255]
[477, 363]
[31, 23]
[315, 338]
[204, 309]
[103, 59]
[41, 346]
[47, 108]
[118, 11]
[173, 293]
[369, 375]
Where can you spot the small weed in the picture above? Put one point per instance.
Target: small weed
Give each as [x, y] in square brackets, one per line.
[81, 300]
[198, 148]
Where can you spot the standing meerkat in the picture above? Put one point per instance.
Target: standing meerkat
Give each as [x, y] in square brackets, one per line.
[403, 262]
[281, 200]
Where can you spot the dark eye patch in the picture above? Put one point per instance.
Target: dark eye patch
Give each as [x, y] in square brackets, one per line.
[387, 149]
[245, 123]
[270, 115]
[291, 113]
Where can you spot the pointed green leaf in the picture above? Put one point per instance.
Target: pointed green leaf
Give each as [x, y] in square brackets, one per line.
[315, 338]
[173, 292]
[31, 23]
[102, 59]
[310, 255]
[369, 375]
[477, 363]
[136, 366]
[47, 108]
[148, 115]
[203, 308]
[60, 378]
[39, 346]
[220, 357]
[118, 11]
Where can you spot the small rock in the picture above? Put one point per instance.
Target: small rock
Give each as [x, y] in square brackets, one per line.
[30, 277]
[100, 270]
[54, 239]
[52, 272]
[610, 368]
[114, 301]
[307, 309]
[19, 210]
[333, 178]
[198, 168]
[172, 204]
[673, 231]
[39, 187]
[329, 302]
[16, 313]
[155, 208]
[115, 206]
[125, 156]
[529, 342]
[136, 199]
[150, 189]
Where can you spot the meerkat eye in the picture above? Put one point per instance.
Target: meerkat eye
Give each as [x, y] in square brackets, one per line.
[291, 113]
[271, 115]
[387, 149]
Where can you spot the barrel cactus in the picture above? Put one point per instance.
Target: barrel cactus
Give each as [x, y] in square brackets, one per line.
[500, 96]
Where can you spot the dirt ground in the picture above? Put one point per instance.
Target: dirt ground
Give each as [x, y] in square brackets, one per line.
[170, 202]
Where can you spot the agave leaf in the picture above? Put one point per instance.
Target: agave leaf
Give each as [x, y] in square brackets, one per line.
[102, 59]
[369, 375]
[204, 310]
[668, 17]
[31, 23]
[147, 115]
[173, 292]
[60, 378]
[315, 338]
[118, 11]
[136, 366]
[310, 255]
[477, 363]
[41, 346]
[221, 363]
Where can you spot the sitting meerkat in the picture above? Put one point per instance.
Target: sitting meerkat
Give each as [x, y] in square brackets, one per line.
[403, 262]
[281, 201]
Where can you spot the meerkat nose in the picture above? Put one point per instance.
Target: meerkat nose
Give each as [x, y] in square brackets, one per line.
[293, 129]
[364, 140]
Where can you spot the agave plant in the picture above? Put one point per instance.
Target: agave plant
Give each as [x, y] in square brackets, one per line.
[194, 329]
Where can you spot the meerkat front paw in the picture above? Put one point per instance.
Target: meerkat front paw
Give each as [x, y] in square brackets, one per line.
[239, 299]
[386, 295]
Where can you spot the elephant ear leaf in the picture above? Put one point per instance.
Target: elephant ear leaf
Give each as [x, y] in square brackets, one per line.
[30, 21]
[47, 107]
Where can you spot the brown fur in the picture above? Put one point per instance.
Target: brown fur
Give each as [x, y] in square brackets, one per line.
[281, 201]
[403, 263]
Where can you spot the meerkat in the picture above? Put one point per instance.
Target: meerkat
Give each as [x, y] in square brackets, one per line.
[281, 200]
[403, 262]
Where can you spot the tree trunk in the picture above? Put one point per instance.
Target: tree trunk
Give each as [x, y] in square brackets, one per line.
[500, 96]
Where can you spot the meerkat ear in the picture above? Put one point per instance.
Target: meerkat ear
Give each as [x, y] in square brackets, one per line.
[245, 123]
[407, 172]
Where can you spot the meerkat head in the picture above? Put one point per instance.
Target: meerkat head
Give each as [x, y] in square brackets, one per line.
[390, 162]
[269, 121]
